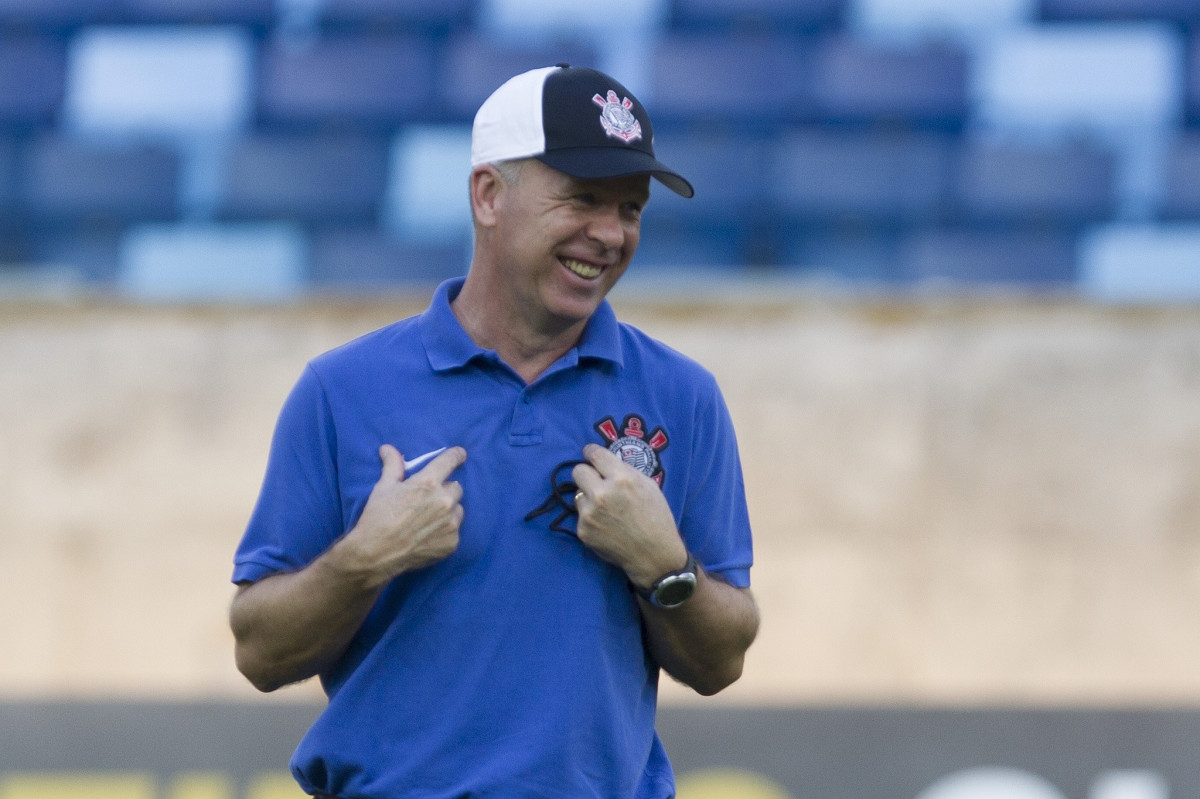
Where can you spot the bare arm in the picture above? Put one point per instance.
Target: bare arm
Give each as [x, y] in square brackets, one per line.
[625, 519]
[289, 627]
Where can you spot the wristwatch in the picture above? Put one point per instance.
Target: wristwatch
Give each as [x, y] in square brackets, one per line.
[673, 588]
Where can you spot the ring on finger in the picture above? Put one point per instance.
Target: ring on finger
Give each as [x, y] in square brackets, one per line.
[578, 496]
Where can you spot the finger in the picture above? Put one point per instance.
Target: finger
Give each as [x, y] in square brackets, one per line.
[587, 478]
[443, 465]
[604, 461]
[393, 464]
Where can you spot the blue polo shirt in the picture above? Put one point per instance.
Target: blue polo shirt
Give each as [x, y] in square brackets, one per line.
[515, 667]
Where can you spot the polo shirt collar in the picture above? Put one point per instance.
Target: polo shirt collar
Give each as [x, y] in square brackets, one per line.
[448, 346]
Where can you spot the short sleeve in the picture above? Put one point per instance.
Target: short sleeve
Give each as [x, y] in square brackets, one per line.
[298, 512]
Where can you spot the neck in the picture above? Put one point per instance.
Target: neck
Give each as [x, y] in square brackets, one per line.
[527, 345]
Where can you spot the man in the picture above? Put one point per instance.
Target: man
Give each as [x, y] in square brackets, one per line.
[489, 617]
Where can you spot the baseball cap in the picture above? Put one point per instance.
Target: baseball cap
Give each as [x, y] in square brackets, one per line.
[575, 119]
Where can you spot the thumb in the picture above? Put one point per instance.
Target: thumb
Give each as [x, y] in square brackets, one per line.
[393, 464]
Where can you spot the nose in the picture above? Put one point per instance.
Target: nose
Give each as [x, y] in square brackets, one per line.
[606, 227]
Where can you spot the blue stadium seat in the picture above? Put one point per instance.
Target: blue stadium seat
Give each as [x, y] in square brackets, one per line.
[1079, 78]
[62, 179]
[159, 80]
[619, 22]
[914, 21]
[185, 263]
[1139, 264]
[8, 175]
[1181, 186]
[55, 14]
[994, 257]
[366, 258]
[1171, 10]
[340, 80]
[426, 194]
[432, 15]
[733, 80]
[1057, 183]
[259, 13]
[858, 80]
[887, 178]
[757, 14]
[847, 253]
[307, 178]
[87, 251]
[32, 79]
[673, 244]
[475, 65]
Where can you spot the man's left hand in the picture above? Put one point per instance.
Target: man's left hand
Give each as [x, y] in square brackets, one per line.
[625, 519]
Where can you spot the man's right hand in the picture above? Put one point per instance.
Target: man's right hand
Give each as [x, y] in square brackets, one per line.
[409, 523]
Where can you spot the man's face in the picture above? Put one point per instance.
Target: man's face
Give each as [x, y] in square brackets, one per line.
[564, 242]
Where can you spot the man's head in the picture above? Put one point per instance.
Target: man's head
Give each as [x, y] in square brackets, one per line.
[574, 119]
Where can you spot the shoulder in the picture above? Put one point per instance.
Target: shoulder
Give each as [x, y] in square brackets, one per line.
[651, 359]
[393, 344]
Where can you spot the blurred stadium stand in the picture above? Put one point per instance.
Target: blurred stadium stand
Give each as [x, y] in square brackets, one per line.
[323, 144]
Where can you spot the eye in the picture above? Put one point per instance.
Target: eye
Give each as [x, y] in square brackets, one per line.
[585, 198]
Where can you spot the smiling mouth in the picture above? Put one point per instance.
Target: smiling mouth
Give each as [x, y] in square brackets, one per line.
[584, 270]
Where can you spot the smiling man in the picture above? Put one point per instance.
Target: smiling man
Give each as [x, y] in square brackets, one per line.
[494, 626]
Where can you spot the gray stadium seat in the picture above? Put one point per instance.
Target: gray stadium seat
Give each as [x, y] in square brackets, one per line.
[1173, 10]
[365, 258]
[836, 175]
[340, 80]
[1181, 189]
[32, 79]
[859, 80]
[1070, 184]
[757, 14]
[429, 14]
[64, 179]
[475, 65]
[1012, 256]
[732, 80]
[311, 178]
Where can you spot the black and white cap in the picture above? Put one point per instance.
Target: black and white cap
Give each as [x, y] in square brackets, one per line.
[575, 119]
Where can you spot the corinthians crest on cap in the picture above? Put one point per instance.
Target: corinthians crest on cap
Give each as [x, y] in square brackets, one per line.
[616, 118]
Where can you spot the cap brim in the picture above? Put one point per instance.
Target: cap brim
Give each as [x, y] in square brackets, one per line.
[591, 163]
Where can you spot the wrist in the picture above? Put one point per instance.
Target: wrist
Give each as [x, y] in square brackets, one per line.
[673, 588]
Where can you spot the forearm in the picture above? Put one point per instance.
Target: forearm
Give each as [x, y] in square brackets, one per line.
[291, 626]
[703, 642]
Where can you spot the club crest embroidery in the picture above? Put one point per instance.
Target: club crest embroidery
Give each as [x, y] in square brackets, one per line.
[632, 443]
[616, 118]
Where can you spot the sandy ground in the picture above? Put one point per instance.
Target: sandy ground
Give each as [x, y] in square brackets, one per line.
[954, 502]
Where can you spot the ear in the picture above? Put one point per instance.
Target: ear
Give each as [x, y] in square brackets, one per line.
[486, 187]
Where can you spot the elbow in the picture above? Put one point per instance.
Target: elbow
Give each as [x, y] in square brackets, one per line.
[715, 680]
[255, 672]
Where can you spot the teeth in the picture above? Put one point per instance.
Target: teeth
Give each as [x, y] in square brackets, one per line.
[580, 268]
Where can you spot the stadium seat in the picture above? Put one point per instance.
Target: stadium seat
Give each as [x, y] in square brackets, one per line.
[1181, 187]
[858, 80]
[56, 14]
[426, 196]
[1192, 79]
[756, 14]
[1081, 77]
[317, 178]
[259, 13]
[87, 252]
[159, 80]
[860, 254]
[32, 79]
[1011, 257]
[681, 245]
[916, 21]
[614, 20]
[170, 263]
[1134, 263]
[366, 259]
[61, 178]
[888, 178]
[1050, 183]
[475, 65]
[8, 175]
[736, 81]
[433, 15]
[340, 80]
[1171, 10]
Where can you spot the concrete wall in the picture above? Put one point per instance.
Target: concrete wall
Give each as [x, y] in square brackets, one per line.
[965, 502]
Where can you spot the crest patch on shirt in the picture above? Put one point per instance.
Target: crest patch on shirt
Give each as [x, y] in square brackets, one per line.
[634, 444]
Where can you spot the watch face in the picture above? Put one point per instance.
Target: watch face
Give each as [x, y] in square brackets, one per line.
[675, 590]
